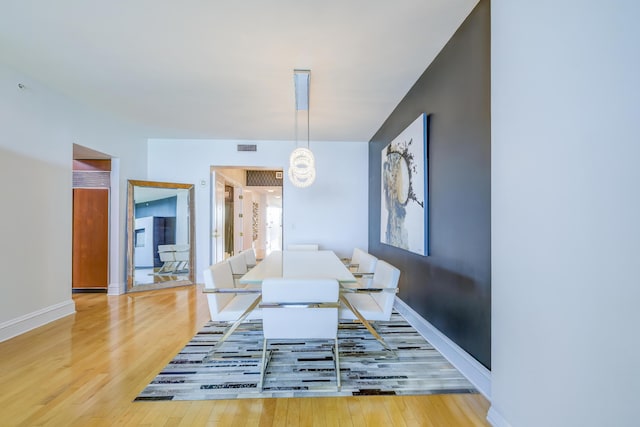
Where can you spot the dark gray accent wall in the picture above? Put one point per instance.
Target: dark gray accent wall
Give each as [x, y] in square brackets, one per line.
[451, 287]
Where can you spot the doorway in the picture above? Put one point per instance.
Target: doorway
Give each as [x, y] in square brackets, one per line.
[90, 222]
[246, 211]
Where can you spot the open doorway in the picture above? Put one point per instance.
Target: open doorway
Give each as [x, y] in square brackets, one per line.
[92, 177]
[246, 211]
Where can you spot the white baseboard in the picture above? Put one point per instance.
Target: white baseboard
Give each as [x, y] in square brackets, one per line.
[22, 324]
[496, 419]
[115, 289]
[475, 372]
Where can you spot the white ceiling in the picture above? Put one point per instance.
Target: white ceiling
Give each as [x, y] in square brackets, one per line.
[224, 69]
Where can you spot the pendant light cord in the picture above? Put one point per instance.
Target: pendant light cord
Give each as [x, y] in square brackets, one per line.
[308, 126]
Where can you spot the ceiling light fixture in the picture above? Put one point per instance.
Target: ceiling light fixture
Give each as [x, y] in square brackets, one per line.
[302, 168]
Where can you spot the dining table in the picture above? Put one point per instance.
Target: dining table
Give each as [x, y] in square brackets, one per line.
[321, 264]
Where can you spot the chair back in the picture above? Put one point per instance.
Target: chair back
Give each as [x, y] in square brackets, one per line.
[218, 276]
[367, 263]
[182, 255]
[250, 257]
[166, 248]
[357, 254]
[303, 247]
[366, 266]
[293, 319]
[238, 264]
[385, 276]
[167, 256]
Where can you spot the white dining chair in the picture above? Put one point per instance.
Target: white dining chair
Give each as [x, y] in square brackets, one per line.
[354, 261]
[167, 255]
[181, 255]
[250, 257]
[303, 247]
[364, 271]
[227, 306]
[300, 309]
[376, 301]
[238, 265]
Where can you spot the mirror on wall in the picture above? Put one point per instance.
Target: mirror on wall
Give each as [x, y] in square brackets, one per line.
[160, 235]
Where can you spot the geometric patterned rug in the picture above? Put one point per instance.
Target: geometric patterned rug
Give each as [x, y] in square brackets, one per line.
[306, 369]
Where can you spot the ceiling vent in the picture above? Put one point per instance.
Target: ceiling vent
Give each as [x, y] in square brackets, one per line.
[247, 147]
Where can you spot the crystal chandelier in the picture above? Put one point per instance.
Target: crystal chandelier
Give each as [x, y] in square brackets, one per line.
[302, 168]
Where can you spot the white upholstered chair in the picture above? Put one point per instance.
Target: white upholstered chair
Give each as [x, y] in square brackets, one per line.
[353, 262]
[376, 301]
[364, 271]
[167, 255]
[238, 265]
[239, 268]
[250, 257]
[303, 247]
[181, 255]
[228, 306]
[300, 309]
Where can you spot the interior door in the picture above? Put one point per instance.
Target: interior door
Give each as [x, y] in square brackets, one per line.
[217, 218]
[90, 238]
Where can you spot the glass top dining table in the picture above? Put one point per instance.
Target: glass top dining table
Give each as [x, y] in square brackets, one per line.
[299, 264]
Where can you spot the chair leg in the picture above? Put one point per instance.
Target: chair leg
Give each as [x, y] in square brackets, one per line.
[366, 324]
[263, 365]
[231, 329]
[337, 360]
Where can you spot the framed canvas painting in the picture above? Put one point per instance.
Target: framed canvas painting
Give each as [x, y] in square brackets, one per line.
[403, 213]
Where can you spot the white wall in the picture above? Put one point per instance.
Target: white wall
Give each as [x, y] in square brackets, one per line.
[332, 212]
[143, 255]
[182, 217]
[237, 220]
[565, 213]
[37, 130]
[247, 216]
[263, 235]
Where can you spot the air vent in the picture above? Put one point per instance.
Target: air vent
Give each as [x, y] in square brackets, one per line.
[247, 147]
[91, 179]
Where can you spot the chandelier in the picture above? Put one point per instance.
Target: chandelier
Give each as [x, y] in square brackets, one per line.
[302, 168]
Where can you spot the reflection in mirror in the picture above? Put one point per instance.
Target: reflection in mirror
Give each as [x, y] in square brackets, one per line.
[160, 235]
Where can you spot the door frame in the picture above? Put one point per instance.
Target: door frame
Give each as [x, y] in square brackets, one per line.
[217, 172]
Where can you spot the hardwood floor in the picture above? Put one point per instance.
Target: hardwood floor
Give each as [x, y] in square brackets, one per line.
[86, 369]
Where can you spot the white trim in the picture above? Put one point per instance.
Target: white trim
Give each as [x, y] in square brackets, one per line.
[496, 419]
[115, 289]
[116, 286]
[475, 372]
[22, 324]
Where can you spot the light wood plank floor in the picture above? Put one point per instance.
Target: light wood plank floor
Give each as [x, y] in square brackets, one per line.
[86, 369]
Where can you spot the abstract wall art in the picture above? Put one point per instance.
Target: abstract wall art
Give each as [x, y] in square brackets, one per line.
[403, 211]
